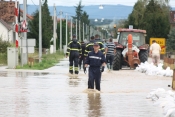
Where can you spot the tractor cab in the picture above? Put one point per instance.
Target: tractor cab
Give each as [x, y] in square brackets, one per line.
[139, 47]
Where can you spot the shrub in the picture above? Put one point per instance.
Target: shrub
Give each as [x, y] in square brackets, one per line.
[3, 50]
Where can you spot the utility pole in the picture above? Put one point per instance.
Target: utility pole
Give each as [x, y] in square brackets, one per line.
[54, 30]
[25, 56]
[83, 31]
[86, 32]
[66, 29]
[79, 32]
[76, 28]
[60, 30]
[40, 32]
[16, 30]
[71, 28]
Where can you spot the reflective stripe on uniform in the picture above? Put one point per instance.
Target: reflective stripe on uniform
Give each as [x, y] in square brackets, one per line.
[89, 45]
[95, 57]
[70, 42]
[100, 43]
[79, 43]
[76, 68]
[70, 67]
[74, 49]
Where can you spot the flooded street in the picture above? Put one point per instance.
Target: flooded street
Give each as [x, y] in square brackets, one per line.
[51, 93]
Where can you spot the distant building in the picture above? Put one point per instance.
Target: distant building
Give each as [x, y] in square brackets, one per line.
[172, 19]
[7, 20]
[6, 31]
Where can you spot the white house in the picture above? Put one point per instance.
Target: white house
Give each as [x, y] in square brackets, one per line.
[6, 32]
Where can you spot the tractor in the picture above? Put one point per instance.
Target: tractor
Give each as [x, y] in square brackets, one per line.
[131, 49]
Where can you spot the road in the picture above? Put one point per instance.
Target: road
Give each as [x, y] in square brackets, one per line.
[51, 93]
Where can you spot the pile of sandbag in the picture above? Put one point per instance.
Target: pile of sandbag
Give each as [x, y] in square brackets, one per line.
[151, 69]
[164, 99]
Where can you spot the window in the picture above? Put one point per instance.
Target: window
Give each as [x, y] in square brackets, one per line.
[138, 38]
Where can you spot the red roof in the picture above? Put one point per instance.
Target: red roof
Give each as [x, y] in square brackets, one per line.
[28, 16]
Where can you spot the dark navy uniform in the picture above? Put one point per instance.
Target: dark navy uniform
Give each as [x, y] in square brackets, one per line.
[74, 51]
[82, 58]
[100, 42]
[89, 47]
[95, 61]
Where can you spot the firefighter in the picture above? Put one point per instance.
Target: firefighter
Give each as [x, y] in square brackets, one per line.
[81, 59]
[95, 60]
[100, 42]
[74, 52]
[89, 46]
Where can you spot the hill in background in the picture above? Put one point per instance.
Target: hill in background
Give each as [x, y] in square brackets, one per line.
[109, 11]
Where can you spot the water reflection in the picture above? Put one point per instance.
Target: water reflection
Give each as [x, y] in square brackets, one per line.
[73, 82]
[3, 74]
[95, 107]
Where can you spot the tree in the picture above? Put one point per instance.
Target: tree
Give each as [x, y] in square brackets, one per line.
[155, 21]
[47, 30]
[152, 16]
[171, 40]
[81, 16]
[136, 17]
[63, 34]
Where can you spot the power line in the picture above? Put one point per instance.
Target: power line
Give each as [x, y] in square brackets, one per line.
[33, 3]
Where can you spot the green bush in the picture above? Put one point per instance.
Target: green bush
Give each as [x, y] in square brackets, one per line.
[3, 50]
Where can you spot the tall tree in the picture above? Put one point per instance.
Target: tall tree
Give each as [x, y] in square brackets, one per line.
[171, 40]
[155, 21]
[81, 16]
[79, 10]
[136, 17]
[46, 27]
[63, 33]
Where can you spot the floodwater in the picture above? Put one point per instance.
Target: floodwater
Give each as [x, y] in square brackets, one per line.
[54, 94]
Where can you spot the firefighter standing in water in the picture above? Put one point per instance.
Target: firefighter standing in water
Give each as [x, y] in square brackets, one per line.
[89, 46]
[81, 59]
[74, 52]
[100, 42]
[95, 60]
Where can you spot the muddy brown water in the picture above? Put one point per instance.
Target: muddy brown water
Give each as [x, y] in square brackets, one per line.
[123, 94]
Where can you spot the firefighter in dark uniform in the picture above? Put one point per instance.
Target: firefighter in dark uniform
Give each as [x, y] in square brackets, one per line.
[81, 59]
[96, 61]
[74, 52]
[100, 42]
[89, 46]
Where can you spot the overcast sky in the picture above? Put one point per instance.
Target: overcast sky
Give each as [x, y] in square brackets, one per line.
[88, 2]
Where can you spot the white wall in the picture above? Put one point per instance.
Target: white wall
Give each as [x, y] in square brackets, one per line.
[5, 34]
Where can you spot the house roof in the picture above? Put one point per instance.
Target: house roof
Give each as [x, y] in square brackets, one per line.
[28, 16]
[5, 24]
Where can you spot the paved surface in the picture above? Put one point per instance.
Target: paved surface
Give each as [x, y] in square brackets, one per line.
[51, 93]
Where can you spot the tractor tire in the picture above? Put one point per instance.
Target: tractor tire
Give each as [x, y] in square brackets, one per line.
[143, 56]
[117, 61]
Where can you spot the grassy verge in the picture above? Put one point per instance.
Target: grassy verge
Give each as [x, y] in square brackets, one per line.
[48, 60]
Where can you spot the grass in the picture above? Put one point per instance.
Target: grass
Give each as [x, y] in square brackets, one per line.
[48, 60]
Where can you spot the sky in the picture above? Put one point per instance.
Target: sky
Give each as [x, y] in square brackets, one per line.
[88, 2]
